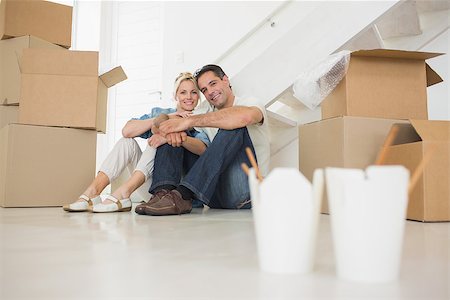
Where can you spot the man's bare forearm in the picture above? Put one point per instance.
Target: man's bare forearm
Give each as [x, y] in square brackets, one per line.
[228, 118]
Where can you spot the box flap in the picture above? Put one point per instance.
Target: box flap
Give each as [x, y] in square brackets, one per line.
[36, 42]
[432, 130]
[405, 134]
[59, 61]
[396, 54]
[113, 76]
[432, 76]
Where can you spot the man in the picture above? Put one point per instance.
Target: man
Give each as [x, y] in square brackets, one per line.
[215, 178]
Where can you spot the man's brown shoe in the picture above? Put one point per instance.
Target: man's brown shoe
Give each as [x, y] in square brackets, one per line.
[170, 204]
[140, 209]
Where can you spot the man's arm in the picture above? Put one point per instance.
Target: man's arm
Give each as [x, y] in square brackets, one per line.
[229, 118]
[226, 118]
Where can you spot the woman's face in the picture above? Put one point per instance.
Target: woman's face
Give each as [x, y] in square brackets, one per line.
[187, 95]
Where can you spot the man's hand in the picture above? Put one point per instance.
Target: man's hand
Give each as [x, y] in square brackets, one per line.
[156, 140]
[176, 139]
[174, 125]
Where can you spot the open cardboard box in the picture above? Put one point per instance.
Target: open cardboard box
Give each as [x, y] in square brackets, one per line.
[430, 199]
[45, 166]
[62, 88]
[9, 66]
[381, 83]
[344, 142]
[46, 20]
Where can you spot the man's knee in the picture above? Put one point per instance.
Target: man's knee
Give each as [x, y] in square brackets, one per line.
[232, 132]
[225, 139]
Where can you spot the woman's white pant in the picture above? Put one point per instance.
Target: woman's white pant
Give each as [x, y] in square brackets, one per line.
[125, 158]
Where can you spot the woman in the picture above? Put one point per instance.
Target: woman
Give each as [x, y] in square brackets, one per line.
[127, 154]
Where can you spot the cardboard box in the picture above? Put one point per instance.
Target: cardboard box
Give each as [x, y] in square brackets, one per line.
[46, 20]
[8, 115]
[344, 142]
[9, 66]
[430, 199]
[387, 84]
[62, 88]
[44, 166]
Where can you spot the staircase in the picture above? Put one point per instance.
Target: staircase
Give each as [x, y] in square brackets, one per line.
[291, 40]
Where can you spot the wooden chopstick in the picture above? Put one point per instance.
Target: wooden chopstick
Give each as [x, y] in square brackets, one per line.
[388, 142]
[420, 168]
[252, 160]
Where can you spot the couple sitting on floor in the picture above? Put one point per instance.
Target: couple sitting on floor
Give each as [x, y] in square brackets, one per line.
[193, 156]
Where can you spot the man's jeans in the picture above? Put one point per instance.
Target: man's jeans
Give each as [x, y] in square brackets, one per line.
[216, 177]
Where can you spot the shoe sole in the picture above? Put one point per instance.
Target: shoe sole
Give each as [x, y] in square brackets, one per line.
[160, 212]
[66, 208]
[125, 209]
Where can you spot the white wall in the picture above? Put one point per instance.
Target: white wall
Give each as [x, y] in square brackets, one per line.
[137, 47]
[197, 33]
[86, 27]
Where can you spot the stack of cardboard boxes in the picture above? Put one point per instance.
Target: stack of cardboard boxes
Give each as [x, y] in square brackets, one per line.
[52, 104]
[383, 88]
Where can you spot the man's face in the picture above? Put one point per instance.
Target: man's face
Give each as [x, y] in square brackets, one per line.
[217, 91]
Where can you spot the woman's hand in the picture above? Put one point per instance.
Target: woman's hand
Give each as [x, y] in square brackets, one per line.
[156, 140]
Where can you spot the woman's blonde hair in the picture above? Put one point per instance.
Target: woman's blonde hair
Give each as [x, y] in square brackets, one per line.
[182, 77]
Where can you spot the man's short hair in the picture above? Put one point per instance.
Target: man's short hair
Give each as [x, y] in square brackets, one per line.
[213, 68]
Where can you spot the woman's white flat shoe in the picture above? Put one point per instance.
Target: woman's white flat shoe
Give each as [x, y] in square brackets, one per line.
[80, 206]
[116, 206]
